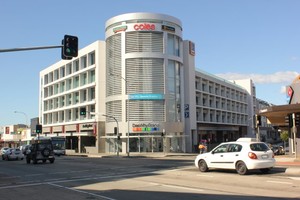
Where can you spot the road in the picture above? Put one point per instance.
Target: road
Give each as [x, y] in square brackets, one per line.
[82, 178]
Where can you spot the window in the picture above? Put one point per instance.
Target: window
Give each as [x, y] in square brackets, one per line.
[83, 62]
[92, 93]
[76, 98]
[173, 45]
[92, 76]
[76, 82]
[62, 72]
[62, 87]
[69, 84]
[91, 58]
[76, 65]
[259, 147]
[83, 79]
[235, 148]
[221, 149]
[69, 69]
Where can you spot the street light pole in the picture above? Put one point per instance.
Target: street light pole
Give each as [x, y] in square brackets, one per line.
[128, 129]
[26, 117]
[109, 116]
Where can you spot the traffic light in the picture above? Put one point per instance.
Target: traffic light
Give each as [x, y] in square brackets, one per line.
[83, 111]
[257, 120]
[297, 119]
[70, 46]
[62, 53]
[38, 128]
[289, 120]
[115, 130]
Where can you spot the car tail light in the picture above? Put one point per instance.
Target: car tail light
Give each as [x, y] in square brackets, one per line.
[252, 155]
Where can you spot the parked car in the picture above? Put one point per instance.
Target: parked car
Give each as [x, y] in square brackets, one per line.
[3, 150]
[13, 154]
[242, 155]
[24, 148]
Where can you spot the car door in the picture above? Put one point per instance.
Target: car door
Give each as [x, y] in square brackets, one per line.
[217, 157]
[233, 154]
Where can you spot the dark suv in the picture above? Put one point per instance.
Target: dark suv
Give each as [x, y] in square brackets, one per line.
[40, 150]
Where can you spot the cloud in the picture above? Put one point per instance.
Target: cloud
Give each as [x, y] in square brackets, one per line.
[278, 77]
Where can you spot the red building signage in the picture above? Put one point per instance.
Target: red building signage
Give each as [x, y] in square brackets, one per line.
[144, 27]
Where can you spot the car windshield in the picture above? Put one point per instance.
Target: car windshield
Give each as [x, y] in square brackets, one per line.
[43, 146]
[259, 147]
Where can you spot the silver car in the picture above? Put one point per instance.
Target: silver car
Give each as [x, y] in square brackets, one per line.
[13, 154]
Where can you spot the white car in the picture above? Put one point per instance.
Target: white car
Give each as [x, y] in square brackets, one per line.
[3, 150]
[13, 154]
[242, 155]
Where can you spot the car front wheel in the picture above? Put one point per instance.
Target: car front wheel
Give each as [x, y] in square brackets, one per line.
[202, 166]
[241, 168]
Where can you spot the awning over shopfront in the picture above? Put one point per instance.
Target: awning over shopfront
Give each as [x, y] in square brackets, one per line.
[277, 114]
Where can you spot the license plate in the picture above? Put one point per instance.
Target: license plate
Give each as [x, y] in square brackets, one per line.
[264, 156]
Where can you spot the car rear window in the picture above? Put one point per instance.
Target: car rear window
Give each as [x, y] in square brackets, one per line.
[43, 146]
[259, 147]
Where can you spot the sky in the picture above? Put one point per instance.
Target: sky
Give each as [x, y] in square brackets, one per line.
[235, 39]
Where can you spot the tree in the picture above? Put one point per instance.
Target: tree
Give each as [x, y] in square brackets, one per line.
[284, 136]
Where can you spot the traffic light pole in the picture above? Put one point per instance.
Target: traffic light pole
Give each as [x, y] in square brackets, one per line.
[30, 48]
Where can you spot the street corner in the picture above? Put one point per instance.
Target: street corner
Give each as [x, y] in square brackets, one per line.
[293, 171]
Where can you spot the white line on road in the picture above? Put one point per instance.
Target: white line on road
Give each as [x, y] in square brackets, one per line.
[203, 175]
[176, 187]
[80, 191]
[280, 182]
[295, 178]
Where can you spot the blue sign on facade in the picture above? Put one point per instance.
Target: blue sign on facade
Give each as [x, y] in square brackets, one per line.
[186, 114]
[146, 96]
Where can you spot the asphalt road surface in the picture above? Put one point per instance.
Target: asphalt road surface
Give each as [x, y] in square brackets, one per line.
[82, 178]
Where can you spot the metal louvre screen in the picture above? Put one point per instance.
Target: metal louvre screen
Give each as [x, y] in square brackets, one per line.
[113, 64]
[114, 109]
[146, 110]
[145, 75]
[144, 42]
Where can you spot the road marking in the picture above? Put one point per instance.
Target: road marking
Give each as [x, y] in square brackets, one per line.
[80, 179]
[81, 191]
[176, 187]
[295, 178]
[181, 187]
[203, 175]
[280, 182]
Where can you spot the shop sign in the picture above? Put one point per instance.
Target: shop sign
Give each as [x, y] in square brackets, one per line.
[143, 96]
[289, 94]
[145, 127]
[168, 28]
[89, 126]
[120, 29]
[144, 27]
[192, 48]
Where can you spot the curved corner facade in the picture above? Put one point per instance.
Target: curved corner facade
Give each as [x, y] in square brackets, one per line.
[144, 76]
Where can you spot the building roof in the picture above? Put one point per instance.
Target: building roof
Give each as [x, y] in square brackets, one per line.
[276, 114]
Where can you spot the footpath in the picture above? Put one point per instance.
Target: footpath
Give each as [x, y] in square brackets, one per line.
[285, 163]
[289, 163]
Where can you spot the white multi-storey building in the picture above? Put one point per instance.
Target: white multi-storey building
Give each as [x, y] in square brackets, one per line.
[69, 85]
[141, 79]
